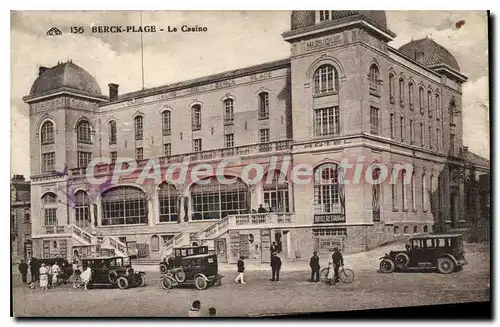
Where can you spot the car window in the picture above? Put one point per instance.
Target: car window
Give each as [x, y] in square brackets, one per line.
[112, 263]
[126, 261]
[416, 244]
[119, 262]
[429, 243]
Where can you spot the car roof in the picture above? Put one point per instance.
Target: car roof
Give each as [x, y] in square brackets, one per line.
[435, 236]
[198, 256]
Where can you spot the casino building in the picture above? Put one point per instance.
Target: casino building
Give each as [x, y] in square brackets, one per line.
[342, 93]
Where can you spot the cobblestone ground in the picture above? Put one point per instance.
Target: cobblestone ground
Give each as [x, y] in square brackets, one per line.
[260, 296]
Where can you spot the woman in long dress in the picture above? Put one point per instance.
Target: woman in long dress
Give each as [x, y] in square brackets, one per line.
[85, 276]
[44, 278]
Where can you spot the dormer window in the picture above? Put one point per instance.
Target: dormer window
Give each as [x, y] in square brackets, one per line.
[419, 56]
[324, 15]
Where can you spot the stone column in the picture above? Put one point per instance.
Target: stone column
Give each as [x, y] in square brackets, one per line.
[151, 215]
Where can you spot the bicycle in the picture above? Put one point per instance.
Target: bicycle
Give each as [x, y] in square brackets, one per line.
[346, 276]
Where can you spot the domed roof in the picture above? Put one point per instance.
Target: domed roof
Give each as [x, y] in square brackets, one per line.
[433, 53]
[65, 75]
[304, 18]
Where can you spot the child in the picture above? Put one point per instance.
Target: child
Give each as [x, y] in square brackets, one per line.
[195, 310]
[241, 271]
[212, 312]
[331, 274]
[86, 276]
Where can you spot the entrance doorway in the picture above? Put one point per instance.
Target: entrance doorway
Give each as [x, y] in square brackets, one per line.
[220, 250]
[244, 246]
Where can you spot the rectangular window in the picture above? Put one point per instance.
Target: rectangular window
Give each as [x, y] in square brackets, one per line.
[412, 132]
[50, 215]
[402, 127]
[114, 155]
[196, 145]
[401, 92]
[263, 105]
[264, 135]
[139, 154]
[84, 159]
[229, 140]
[391, 123]
[48, 162]
[430, 137]
[424, 193]
[413, 193]
[228, 112]
[167, 149]
[139, 127]
[394, 191]
[403, 191]
[374, 120]
[439, 138]
[326, 121]
[422, 135]
[166, 122]
[196, 117]
[452, 144]
[324, 15]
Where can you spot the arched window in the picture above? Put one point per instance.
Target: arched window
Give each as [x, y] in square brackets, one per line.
[82, 209]
[83, 132]
[401, 92]
[438, 107]
[155, 243]
[451, 111]
[168, 203]
[166, 122]
[124, 205]
[415, 229]
[374, 77]
[49, 201]
[391, 88]
[328, 198]
[429, 103]
[47, 133]
[215, 200]
[276, 192]
[413, 193]
[139, 127]
[406, 230]
[421, 98]
[403, 189]
[376, 194]
[325, 79]
[228, 112]
[424, 193]
[263, 105]
[112, 132]
[410, 95]
[396, 230]
[196, 117]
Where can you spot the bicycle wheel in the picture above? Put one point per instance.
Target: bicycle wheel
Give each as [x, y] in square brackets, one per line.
[346, 276]
[323, 274]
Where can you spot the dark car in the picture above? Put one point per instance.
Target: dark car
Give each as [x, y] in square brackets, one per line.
[200, 270]
[179, 253]
[114, 271]
[444, 252]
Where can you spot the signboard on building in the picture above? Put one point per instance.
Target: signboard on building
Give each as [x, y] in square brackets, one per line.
[234, 243]
[265, 237]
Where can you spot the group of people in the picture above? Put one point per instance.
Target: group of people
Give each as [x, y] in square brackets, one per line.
[195, 310]
[333, 267]
[275, 267]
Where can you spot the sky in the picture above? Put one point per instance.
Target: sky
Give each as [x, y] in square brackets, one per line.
[235, 39]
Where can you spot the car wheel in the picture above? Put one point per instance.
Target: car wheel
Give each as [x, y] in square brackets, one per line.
[122, 282]
[163, 268]
[142, 280]
[445, 265]
[387, 266]
[402, 260]
[323, 274]
[200, 283]
[166, 283]
[180, 276]
[112, 276]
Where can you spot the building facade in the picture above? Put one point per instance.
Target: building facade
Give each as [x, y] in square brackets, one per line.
[20, 218]
[344, 94]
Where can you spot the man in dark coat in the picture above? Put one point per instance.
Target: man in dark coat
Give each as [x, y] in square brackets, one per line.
[274, 248]
[34, 269]
[314, 264]
[23, 269]
[261, 209]
[337, 261]
[275, 267]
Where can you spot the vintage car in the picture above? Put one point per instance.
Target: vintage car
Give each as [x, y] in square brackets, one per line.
[114, 271]
[200, 270]
[444, 252]
[174, 261]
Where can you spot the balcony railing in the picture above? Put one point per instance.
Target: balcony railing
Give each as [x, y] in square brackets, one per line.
[250, 149]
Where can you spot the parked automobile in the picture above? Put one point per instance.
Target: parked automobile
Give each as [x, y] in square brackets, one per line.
[114, 271]
[200, 270]
[444, 252]
[174, 261]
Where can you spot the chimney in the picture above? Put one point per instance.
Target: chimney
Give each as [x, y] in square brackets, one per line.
[18, 178]
[113, 91]
[42, 70]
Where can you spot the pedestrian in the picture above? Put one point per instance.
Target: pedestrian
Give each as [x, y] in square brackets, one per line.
[314, 264]
[49, 275]
[212, 312]
[275, 267]
[43, 277]
[195, 310]
[76, 274]
[85, 276]
[274, 248]
[55, 273]
[23, 269]
[241, 271]
[33, 269]
[261, 209]
[338, 261]
[331, 274]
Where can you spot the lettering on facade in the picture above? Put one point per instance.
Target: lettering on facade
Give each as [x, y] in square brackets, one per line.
[222, 84]
[324, 42]
[261, 76]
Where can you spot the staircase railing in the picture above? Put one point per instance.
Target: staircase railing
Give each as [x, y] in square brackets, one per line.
[82, 234]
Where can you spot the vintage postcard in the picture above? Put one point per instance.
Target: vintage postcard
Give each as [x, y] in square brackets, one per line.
[248, 163]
